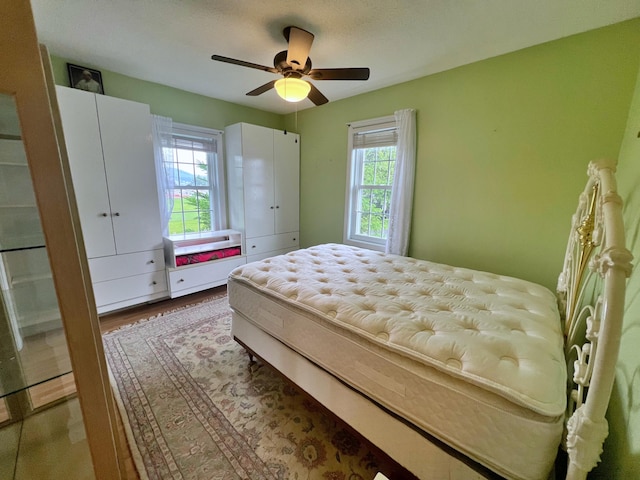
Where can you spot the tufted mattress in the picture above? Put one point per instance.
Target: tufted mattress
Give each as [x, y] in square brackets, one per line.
[472, 358]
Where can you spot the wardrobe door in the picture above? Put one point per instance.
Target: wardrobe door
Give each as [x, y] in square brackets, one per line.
[287, 187]
[125, 128]
[257, 165]
[82, 136]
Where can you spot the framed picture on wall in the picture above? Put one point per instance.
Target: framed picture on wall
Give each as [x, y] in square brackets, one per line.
[84, 78]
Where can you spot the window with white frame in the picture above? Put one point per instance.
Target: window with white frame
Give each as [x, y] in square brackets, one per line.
[196, 180]
[372, 160]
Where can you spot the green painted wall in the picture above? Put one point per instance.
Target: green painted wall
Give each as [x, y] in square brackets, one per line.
[621, 457]
[503, 146]
[181, 106]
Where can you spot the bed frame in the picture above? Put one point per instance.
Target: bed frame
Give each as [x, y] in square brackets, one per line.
[591, 289]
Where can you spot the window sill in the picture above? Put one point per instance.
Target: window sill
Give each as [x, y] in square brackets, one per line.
[369, 245]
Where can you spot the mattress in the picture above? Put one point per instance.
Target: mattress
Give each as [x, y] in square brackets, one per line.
[472, 358]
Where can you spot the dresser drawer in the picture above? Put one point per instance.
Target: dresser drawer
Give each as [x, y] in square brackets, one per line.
[183, 278]
[119, 266]
[121, 289]
[259, 245]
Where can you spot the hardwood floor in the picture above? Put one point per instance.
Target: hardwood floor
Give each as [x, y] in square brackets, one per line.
[48, 392]
[112, 321]
[4, 411]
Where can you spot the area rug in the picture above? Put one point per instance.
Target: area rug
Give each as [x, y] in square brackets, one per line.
[194, 408]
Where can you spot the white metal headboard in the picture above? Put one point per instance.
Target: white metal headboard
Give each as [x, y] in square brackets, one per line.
[591, 290]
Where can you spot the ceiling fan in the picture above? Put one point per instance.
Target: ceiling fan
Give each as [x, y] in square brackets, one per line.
[293, 64]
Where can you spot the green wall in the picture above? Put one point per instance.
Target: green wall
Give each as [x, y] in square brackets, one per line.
[621, 458]
[181, 106]
[503, 146]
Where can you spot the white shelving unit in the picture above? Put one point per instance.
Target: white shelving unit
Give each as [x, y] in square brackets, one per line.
[26, 284]
[28, 301]
[202, 260]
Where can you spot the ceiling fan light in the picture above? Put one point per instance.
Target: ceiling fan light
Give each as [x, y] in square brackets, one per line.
[292, 89]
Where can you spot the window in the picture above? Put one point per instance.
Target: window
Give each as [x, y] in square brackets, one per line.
[196, 180]
[372, 160]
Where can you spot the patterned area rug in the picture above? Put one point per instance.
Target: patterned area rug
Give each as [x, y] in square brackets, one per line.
[194, 409]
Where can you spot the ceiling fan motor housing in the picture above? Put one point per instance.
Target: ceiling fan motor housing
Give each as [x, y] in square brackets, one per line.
[280, 63]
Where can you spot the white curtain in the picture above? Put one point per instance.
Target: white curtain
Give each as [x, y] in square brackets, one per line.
[403, 180]
[162, 129]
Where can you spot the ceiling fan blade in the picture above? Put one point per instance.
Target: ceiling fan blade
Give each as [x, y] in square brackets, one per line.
[339, 74]
[316, 96]
[260, 90]
[242, 63]
[299, 45]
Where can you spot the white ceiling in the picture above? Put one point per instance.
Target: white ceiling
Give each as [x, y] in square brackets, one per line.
[171, 41]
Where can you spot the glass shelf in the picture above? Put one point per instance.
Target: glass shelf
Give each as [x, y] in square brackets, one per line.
[8, 136]
[20, 249]
[33, 346]
[12, 389]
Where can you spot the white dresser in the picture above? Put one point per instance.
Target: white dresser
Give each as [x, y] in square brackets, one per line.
[111, 158]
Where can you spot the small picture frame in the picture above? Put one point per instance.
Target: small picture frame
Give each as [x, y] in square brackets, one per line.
[84, 78]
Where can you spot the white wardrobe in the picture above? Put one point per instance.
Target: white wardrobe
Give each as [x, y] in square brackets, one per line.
[263, 170]
[111, 158]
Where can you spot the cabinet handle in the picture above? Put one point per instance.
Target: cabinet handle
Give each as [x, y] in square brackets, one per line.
[271, 207]
[103, 214]
[117, 214]
[253, 246]
[277, 206]
[294, 239]
[154, 283]
[153, 261]
[181, 280]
